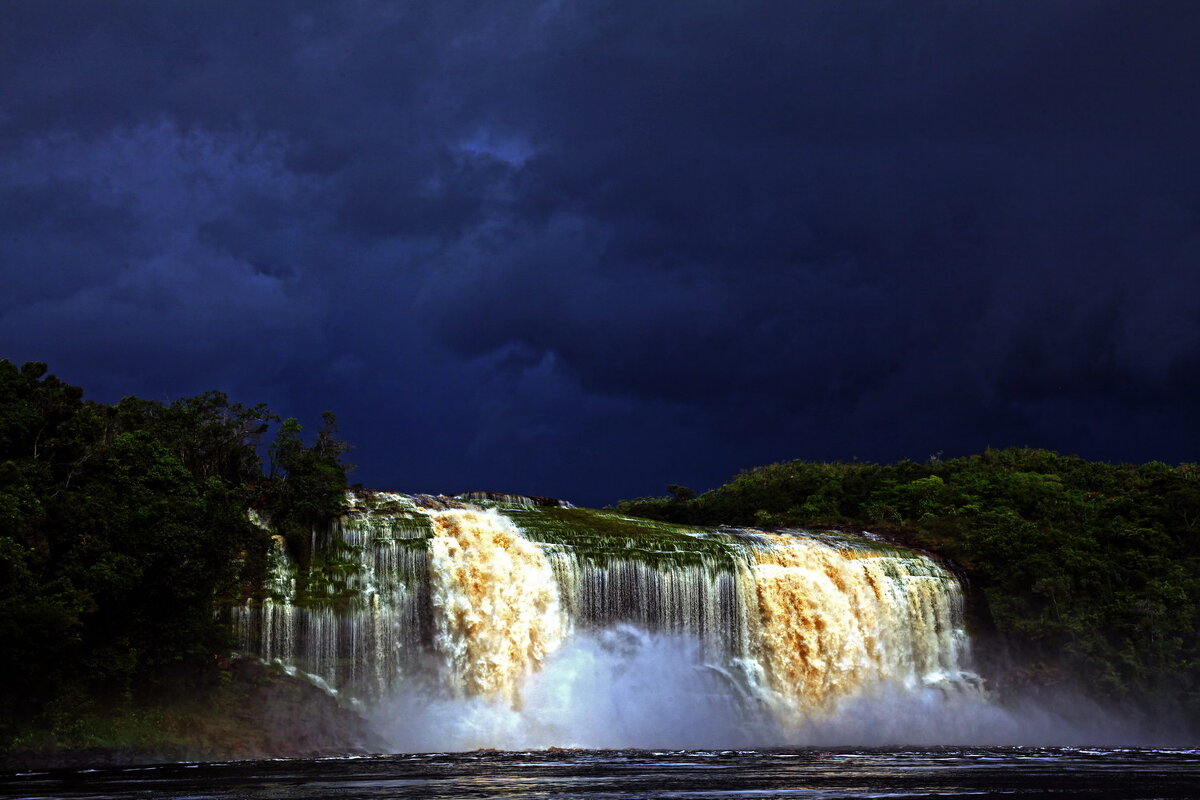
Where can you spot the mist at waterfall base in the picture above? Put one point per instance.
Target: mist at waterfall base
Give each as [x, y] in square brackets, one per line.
[627, 688]
[467, 630]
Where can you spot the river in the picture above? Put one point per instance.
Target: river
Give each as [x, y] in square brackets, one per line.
[948, 772]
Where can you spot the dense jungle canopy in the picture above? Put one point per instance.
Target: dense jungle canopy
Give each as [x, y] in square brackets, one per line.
[121, 528]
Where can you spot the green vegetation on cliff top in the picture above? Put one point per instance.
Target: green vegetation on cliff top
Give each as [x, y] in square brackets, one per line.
[602, 536]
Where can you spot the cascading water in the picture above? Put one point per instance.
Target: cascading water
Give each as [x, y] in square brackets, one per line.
[560, 626]
[832, 621]
[495, 604]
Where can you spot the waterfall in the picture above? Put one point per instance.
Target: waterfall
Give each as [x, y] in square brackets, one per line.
[495, 603]
[363, 621]
[833, 620]
[523, 612]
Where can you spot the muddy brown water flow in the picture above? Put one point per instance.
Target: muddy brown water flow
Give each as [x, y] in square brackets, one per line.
[680, 775]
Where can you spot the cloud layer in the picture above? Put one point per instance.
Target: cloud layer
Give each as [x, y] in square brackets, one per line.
[589, 249]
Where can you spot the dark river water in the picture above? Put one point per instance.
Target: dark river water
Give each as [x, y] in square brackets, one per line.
[686, 775]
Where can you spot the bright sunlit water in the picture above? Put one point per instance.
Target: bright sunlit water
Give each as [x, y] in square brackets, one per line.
[680, 775]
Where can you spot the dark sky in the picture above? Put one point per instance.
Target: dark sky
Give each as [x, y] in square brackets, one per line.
[586, 249]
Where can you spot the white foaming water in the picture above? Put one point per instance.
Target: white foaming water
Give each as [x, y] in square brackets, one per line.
[495, 604]
[625, 688]
[835, 622]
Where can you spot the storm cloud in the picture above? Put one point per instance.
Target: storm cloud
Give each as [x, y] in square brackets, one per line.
[587, 249]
